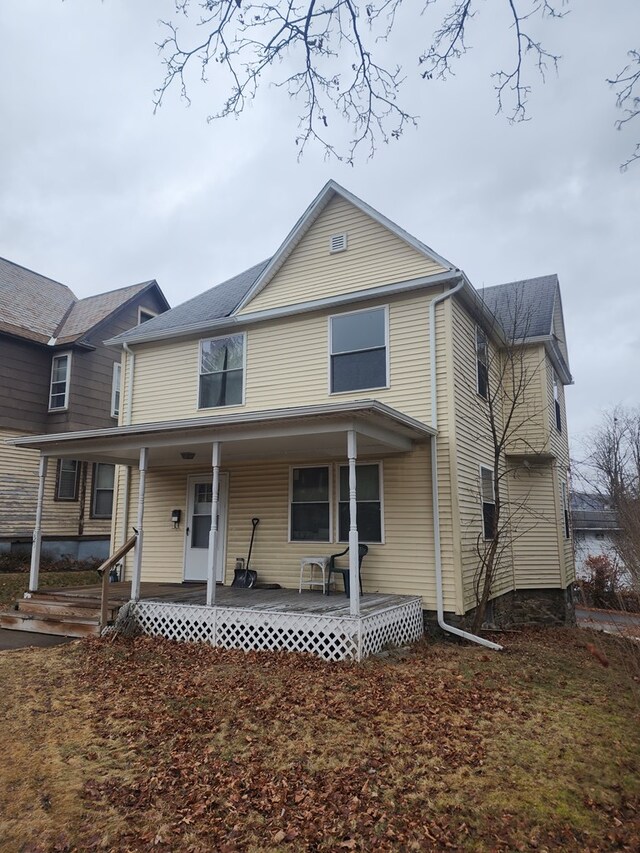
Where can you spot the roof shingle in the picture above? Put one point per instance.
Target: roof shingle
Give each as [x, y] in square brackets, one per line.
[523, 308]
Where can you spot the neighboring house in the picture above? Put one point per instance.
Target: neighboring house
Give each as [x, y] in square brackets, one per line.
[56, 375]
[595, 525]
[315, 390]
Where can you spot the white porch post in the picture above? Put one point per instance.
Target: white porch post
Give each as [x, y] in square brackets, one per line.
[213, 533]
[137, 559]
[37, 530]
[354, 575]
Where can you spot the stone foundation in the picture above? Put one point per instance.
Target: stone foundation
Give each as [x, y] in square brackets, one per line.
[515, 609]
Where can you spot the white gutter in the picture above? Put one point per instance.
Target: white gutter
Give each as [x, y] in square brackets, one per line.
[131, 358]
[434, 477]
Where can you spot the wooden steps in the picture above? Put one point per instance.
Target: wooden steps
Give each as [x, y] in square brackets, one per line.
[58, 614]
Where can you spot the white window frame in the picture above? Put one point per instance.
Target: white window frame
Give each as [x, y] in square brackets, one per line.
[141, 310]
[340, 465]
[67, 381]
[116, 389]
[244, 371]
[482, 468]
[330, 492]
[94, 489]
[556, 413]
[386, 347]
[481, 331]
[566, 518]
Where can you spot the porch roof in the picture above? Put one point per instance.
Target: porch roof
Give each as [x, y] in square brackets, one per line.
[306, 431]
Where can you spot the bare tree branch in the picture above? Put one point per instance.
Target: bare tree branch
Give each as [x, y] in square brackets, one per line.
[626, 85]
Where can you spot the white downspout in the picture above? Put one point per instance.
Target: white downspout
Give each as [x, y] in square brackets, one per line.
[434, 478]
[131, 359]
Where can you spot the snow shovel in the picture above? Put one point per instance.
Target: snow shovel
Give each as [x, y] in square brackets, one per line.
[247, 577]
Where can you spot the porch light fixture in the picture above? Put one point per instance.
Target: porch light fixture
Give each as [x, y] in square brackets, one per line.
[187, 454]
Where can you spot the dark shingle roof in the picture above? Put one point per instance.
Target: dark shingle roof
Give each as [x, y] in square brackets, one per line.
[213, 304]
[32, 306]
[87, 313]
[524, 308]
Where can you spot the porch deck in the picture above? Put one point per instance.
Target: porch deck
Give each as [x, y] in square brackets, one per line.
[281, 619]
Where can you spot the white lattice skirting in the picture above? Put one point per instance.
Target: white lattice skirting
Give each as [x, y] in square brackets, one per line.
[330, 637]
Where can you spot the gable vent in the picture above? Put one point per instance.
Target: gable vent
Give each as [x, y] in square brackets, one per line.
[337, 243]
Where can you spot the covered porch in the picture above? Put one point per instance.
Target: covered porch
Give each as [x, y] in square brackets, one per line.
[158, 455]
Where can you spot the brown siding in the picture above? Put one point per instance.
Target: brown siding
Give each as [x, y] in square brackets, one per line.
[25, 370]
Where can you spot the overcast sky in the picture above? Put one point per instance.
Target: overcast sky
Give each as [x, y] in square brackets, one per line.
[97, 192]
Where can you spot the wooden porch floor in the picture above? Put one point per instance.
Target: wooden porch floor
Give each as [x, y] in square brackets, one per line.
[276, 600]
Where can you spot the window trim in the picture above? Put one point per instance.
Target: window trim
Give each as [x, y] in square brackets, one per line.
[330, 487]
[243, 335]
[67, 388]
[117, 368]
[482, 468]
[556, 415]
[482, 332]
[566, 517]
[76, 487]
[378, 462]
[92, 512]
[148, 311]
[385, 387]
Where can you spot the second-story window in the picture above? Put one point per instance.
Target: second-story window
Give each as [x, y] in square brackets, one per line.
[221, 372]
[60, 374]
[488, 497]
[482, 362]
[358, 350]
[556, 415]
[115, 389]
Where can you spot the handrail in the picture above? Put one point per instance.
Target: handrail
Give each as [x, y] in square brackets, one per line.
[104, 570]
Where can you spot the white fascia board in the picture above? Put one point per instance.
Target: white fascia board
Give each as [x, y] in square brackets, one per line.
[330, 189]
[291, 310]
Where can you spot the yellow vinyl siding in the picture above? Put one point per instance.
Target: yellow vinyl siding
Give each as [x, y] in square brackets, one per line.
[536, 555]
[287, 364]
[19, 492]
[404, 564]
[374, 256]
[531, 420]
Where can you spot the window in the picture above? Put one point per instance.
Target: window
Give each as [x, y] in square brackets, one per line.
[67, 478]
[59, 392]
[102, 490]
[144, 314]
[221, 372]
[565, 510]
[556, 403]
[482, 362]
[369, 504]
[115, 389]
[310, 518]
[488, 503]
[358, 350]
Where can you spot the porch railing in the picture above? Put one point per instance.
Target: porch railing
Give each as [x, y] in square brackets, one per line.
[104, 570]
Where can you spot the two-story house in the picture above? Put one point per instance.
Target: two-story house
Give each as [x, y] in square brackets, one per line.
[338, 391]
[56, 376]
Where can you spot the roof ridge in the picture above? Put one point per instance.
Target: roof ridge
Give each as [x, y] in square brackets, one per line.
[39, 274]
[118, 289]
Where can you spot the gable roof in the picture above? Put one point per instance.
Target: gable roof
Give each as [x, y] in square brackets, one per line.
[328, 192]
[214, 304]
[524, 308]
[39, 309]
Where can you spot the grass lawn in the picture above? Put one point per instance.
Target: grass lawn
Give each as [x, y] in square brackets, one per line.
[147, 744]
[13, 584]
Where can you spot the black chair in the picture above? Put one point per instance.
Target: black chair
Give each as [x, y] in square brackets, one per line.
[344, 571]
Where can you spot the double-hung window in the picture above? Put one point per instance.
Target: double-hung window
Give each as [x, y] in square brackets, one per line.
[102, 490]
[482, 362]
[369, 503]
[556, 403]
[221, 372]
[115, 389]
[358, 350]
[67, 478]
[488, 496]
[310, 509]
[565, 509]
[60, 375]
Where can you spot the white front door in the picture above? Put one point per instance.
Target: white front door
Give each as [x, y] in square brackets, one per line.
[198, 525]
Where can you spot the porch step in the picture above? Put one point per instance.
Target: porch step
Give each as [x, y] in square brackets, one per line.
[84, 610]
[59, 626]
